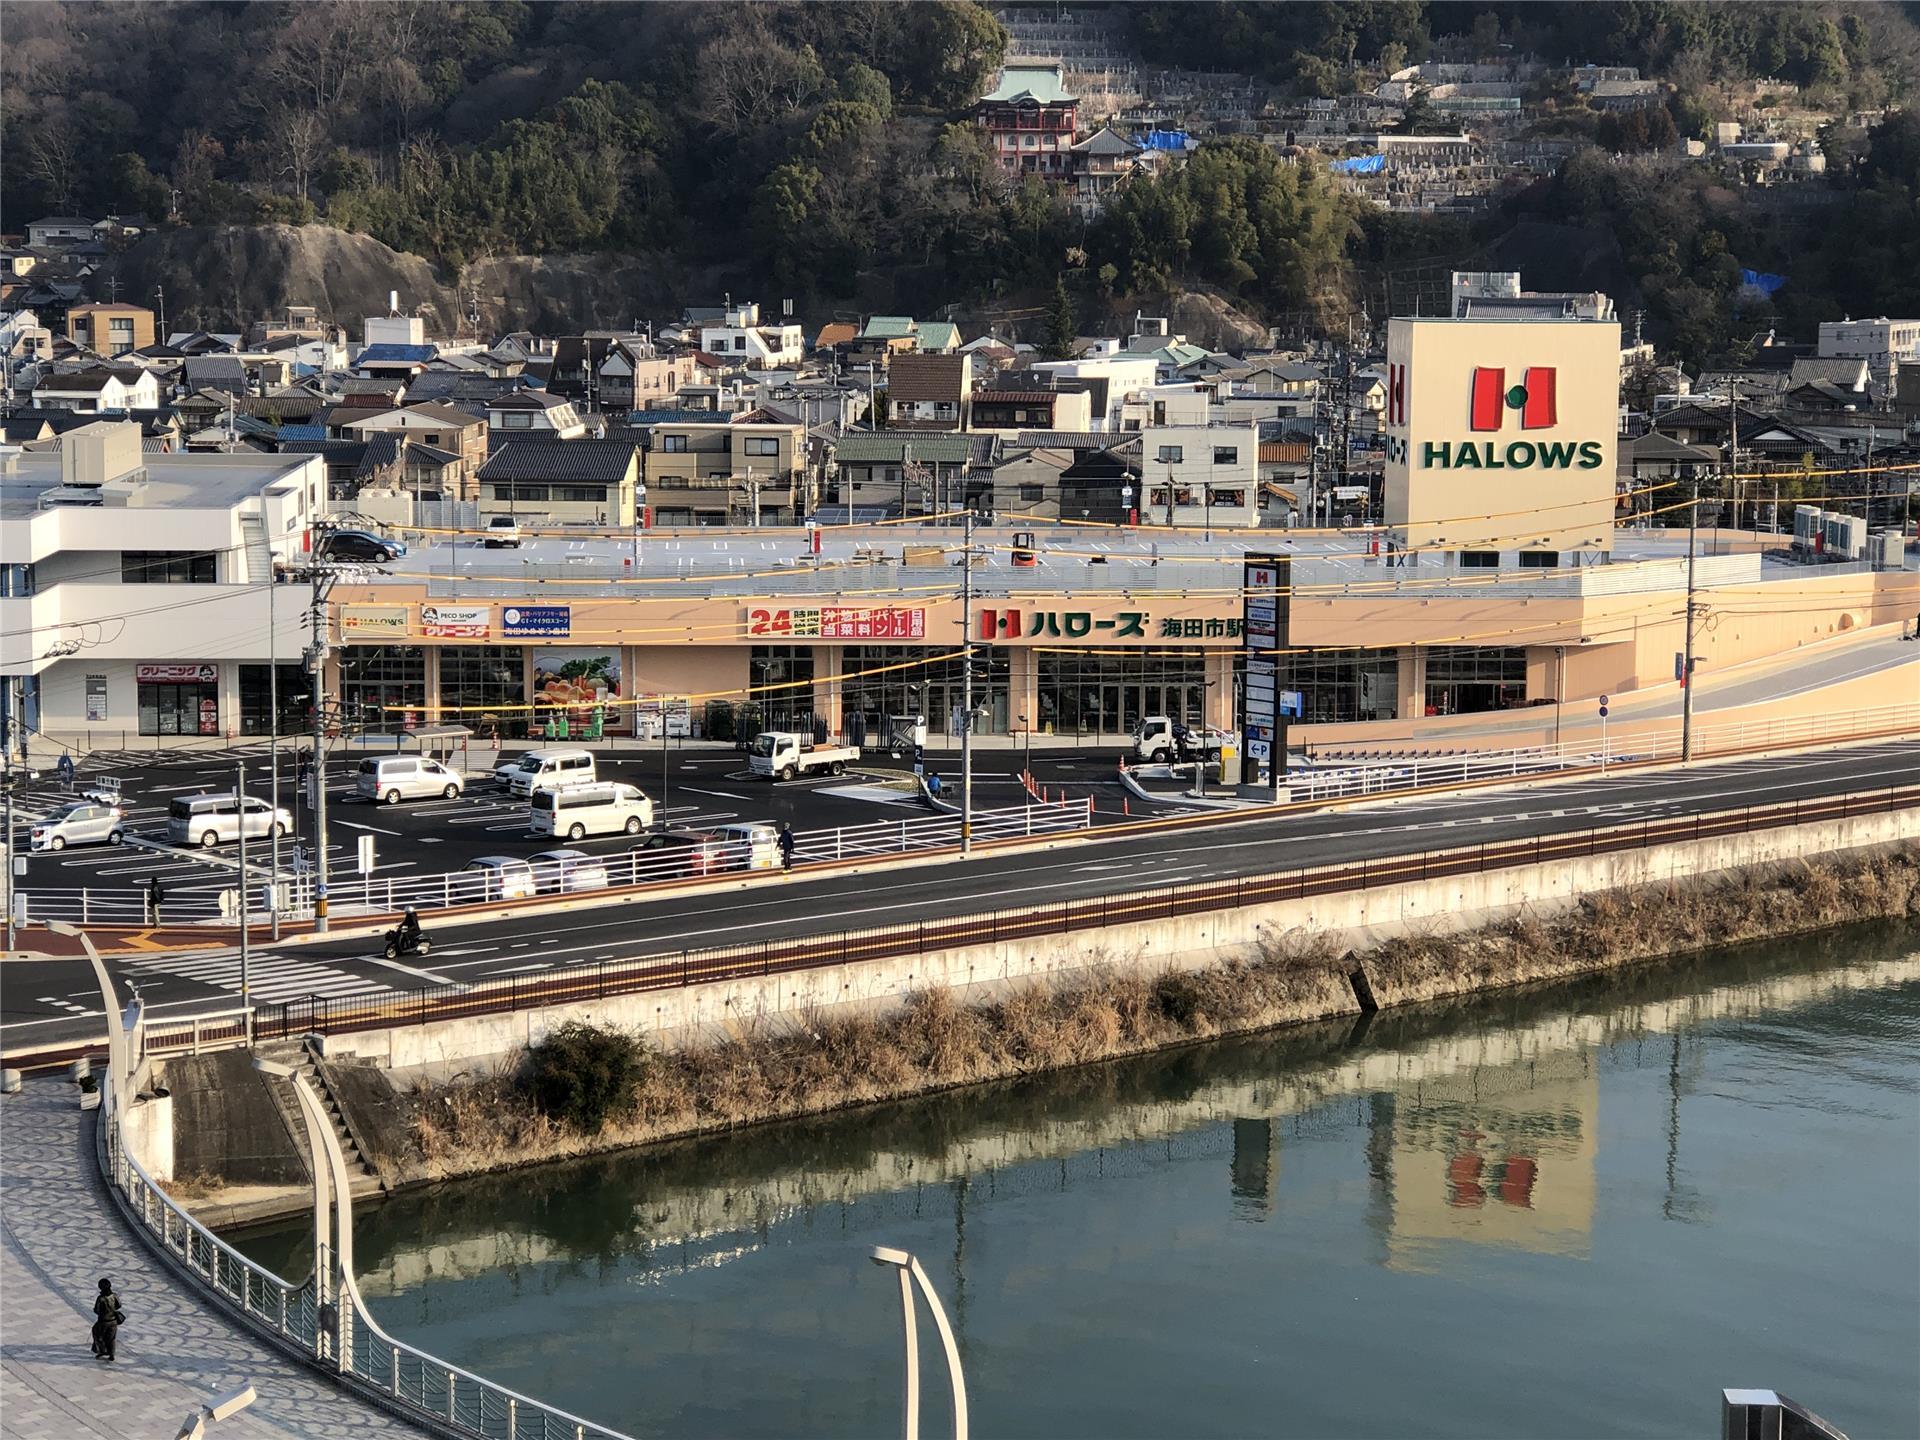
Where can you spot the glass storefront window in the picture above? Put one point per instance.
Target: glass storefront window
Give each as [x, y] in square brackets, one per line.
[1469, 679]
[1340, 686]
[379, 683]
[933, 690]
[483, 686]
[256, 699]
[179, 709]
[781, 683]
[1108, 693]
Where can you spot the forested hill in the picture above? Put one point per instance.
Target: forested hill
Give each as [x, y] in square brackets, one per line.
[822, 150]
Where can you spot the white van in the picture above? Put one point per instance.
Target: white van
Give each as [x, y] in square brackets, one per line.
[215, 819]
[587, 810]
[751, 846]
[394, 778]
[550, 770]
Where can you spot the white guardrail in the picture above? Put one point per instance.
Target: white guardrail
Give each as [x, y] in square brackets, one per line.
[1337, 770]
[346, 1340]
[639, 866]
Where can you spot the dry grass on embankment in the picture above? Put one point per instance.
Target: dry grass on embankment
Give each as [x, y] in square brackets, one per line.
[831, 1061]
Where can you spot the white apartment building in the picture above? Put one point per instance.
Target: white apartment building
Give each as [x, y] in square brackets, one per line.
[1201, 474]
[136, 589]
[1881, 342]
[739, 336]
[99, 390]
[1123, 373]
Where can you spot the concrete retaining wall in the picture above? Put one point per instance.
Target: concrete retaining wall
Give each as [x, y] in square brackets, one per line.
[1356, 919]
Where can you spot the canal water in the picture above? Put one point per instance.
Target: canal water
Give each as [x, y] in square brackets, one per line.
[1580, 1211]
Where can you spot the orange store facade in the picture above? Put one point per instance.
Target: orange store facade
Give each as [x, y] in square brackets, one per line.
[1093, 665]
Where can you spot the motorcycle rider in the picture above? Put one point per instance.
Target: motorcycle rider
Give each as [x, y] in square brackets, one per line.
[407, 934]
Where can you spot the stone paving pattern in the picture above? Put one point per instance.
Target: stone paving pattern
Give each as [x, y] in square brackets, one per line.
[59, 1233]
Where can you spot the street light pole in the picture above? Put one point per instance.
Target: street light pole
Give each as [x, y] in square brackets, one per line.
[317, 658]
[246, 953]
[966, 685]
[1686, 658]
[273, 745]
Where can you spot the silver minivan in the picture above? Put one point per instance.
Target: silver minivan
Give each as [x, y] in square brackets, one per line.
[558, 769]
[494, 877]
[82, 823]
[394, 778]
[215, 819]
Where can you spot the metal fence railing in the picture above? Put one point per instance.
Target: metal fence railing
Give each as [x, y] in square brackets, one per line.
[1338, 769]
[351, 1344]
[603, 979]
[211, 904]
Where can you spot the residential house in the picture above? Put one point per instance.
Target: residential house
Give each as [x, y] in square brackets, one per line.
[1100, 164]
[518, 414]
[1026, 483]
[634, 375]
[1654, 459]
[1030, 120]
[121, 228]
[592, 482]
[59, 232]
[901, 472]
[439, 427]
[748, 468]
[222, 374]
[1201, 474]
[884, 336]
[1815, 398]
[1906, 398]
[835, 337]
[388, 361]
[1286, 471]
[1010, 411]
[1881, 342]
[99, 390]
[929, 392]
[741, 338]
[1853, 374]
[1103, 486]
[110, 329]
[1704, 421]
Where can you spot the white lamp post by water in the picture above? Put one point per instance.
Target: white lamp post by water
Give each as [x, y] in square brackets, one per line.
[907, 1265]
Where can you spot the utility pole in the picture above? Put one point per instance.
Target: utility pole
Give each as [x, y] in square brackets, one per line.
[246, 953]
[966, 685]
[6, 888]
[273, 743]
[1686, 657]
[317, 667]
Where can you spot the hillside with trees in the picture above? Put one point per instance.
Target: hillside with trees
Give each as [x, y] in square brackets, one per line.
[824, 152]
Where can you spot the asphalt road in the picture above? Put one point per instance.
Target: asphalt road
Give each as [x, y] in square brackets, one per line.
[49, 1002]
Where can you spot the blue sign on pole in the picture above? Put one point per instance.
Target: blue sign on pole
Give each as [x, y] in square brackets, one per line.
[1289, 702]
[537, 622]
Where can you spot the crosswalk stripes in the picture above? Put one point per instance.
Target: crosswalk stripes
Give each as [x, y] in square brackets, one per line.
[271, 978]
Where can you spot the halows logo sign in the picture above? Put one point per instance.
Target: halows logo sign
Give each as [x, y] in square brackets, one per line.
[1490, 399]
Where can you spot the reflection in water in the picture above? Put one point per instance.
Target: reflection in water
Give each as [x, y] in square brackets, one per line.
[1509, 1152]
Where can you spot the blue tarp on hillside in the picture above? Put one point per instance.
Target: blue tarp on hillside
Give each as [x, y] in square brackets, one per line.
[1760, 280]
[1165, 140]
[1362, 165]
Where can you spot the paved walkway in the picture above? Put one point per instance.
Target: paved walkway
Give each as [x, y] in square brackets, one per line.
[59, 1233]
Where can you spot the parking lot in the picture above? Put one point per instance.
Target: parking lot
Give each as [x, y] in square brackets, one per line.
[703, 786]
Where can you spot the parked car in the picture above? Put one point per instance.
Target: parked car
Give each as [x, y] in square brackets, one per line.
[582, 810]
[209, 820]
[394, 778]
[567, 872]
[360, 545]
[502, 532]
[753, 846]
[81, 823]
[557, 769]
[495, 877]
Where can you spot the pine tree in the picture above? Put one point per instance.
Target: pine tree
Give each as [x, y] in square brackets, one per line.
[1060, 326]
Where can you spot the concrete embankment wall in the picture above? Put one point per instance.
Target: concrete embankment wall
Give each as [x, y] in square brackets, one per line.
[1354, 920]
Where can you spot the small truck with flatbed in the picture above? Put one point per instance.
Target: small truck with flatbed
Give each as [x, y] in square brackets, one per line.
[783, 754]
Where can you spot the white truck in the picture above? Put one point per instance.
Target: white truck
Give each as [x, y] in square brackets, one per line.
[1157, 740]
[783, 754]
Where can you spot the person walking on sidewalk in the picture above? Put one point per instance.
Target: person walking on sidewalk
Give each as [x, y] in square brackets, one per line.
[786, 845]
[108, 1318]
[154, 896]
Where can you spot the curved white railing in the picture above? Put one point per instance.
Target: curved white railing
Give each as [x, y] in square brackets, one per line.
[415, 1383]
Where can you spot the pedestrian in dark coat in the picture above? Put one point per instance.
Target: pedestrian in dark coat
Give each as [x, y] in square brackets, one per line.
[786, 846]
[108, 1317]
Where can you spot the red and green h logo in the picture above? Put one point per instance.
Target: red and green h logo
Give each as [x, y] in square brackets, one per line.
[1534, 398]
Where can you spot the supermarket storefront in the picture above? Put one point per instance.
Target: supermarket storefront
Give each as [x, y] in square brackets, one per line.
[1081, 667]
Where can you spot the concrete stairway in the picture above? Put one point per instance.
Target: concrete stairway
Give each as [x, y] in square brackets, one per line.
[363, 1179]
